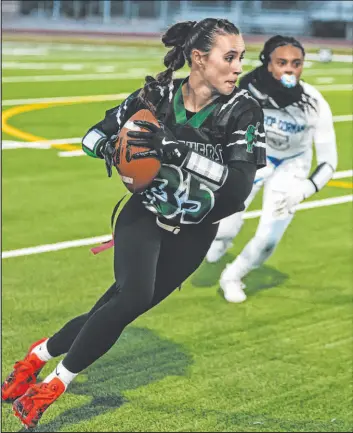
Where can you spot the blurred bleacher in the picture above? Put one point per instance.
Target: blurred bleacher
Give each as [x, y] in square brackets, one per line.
[324, 19]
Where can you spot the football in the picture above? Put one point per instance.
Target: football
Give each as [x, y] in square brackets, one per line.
[136, 174]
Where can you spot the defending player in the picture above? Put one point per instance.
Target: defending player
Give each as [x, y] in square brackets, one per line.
[296, 114]
[207, 173]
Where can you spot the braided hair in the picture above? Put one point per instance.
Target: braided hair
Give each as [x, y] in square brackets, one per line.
[275, 42]
[183, 37]
[267, 84]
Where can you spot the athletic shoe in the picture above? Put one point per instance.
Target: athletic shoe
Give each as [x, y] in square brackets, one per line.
[218, 249]
[30, 407]
[24, 374]
[233, 289]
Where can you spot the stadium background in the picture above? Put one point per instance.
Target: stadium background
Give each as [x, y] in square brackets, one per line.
[282, 361]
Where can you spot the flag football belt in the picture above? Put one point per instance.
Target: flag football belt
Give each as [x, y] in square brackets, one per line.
[173, 229]
[110, 243]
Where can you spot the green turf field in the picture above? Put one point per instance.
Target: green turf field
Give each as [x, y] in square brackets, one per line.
[282, 361]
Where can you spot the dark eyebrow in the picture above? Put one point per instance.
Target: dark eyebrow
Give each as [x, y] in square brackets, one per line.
[286, 60]
[235, 51]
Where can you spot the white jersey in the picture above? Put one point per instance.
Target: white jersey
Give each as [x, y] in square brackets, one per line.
[291, 131]
[290, 134]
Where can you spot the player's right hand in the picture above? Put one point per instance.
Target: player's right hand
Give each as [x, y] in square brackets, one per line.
[160, 140]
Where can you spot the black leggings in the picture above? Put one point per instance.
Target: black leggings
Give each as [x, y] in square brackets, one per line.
[149, 264]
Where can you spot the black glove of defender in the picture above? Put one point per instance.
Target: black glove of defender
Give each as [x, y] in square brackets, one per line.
[164, 146]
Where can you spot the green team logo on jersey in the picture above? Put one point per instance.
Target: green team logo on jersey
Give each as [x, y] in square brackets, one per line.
[176, 195]
[250, 137]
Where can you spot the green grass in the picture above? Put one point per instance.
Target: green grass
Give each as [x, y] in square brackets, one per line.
[282, 361]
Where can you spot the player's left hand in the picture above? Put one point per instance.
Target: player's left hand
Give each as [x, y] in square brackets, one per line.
[300, 191]
[107, 151]
[160, 140]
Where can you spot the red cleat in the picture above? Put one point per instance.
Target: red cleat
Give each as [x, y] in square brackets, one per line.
[24, 374]
[30, 407]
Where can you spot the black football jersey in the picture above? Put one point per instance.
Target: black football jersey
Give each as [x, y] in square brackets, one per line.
[227, 130]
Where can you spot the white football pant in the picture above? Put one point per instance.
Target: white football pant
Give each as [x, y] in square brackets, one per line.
[272, 225]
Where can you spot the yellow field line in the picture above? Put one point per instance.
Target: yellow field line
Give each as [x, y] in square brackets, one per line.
[8, 129]
[15, 132]
[341, 184]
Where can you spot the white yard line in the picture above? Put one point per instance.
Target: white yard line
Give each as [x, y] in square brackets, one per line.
[9, 47]
[324, 80]
[135, 73]
[333, 87]
[132, 74]
[341, 58]
[95, 240]
[342, 174]
[72, 57]
[338, 71]
[63, 99]
[111, 97]
[55, 247]
[7, 144]
[38, 65]
[18, 51]
[71, 153]
[44, 66]
[343, 118]
[28, 48]
[140, 73]
[308, 205]
[12, 144]
[325, 202]
[67, 66]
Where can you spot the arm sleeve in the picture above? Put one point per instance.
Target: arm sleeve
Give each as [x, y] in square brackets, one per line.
[246, 137]
[246, 142]
[231, 196]
[245, 153]
[325, 146]
[114, 120]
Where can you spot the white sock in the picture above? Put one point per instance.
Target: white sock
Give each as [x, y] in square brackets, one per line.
[42, 351]
[238, 269]
[61, 373]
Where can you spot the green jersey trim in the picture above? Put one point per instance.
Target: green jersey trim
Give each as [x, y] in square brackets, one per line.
[180, 114]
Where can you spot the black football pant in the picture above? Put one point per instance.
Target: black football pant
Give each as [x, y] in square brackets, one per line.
[149, 264]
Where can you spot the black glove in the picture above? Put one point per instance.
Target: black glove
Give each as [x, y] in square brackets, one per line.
[107, 151]
[160, 140]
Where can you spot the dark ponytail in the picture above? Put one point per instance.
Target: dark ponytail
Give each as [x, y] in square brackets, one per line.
[183, 38]
[174, 37]
[275, 42]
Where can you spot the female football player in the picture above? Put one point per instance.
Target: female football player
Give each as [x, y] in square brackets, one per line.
[296, 114]
[207, 173]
